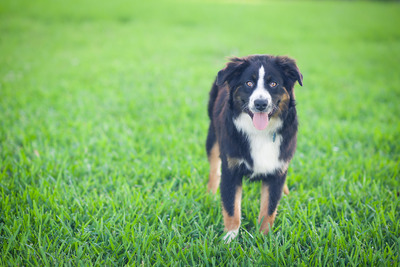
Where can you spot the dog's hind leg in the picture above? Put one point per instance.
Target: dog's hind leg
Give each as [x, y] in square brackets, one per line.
[215, 169]
[286, 189]
[214, 160]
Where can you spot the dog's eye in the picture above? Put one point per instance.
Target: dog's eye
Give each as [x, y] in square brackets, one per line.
[250, 84]
[273, 84]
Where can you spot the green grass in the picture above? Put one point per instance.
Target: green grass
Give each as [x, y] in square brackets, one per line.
[103, 124]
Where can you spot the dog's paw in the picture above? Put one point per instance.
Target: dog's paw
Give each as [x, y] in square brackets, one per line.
[230, 236]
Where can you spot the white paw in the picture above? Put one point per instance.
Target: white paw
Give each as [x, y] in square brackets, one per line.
[230, 236]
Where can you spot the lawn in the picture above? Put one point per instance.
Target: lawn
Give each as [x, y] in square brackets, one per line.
[103, 124]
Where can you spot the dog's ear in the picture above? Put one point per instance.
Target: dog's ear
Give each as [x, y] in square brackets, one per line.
[233, 67]
[290, 69]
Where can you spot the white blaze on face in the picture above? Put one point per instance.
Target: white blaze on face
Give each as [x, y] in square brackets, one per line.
[260, 119]
[260, 92]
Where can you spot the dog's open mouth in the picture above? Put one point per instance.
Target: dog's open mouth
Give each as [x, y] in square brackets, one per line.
[260, 119]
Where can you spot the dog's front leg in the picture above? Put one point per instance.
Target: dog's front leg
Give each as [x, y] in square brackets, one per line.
[231, 196]
[271, 193]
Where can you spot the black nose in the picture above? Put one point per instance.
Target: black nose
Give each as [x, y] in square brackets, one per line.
[261, 104]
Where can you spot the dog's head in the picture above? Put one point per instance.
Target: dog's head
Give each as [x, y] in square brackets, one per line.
[261, 86]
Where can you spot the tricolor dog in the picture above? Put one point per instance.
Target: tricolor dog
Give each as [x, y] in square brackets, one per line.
[252, 133]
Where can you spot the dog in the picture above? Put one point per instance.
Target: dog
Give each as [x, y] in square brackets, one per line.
[252, 133]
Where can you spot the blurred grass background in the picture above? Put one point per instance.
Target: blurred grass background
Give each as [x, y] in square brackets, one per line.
[103, 123]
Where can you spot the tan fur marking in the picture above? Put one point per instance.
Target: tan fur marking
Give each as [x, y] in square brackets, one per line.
[233, 222]
[283, 105]
[286, 189]
[215, 169]
[233, 162]
[267, 220]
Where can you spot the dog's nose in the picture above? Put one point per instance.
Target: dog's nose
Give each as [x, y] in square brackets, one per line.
[261, 104]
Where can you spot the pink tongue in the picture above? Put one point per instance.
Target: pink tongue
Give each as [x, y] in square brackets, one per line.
[260, 120]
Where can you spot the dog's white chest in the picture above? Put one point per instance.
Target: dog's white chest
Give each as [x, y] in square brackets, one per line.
[265, 153]
[264, 147]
